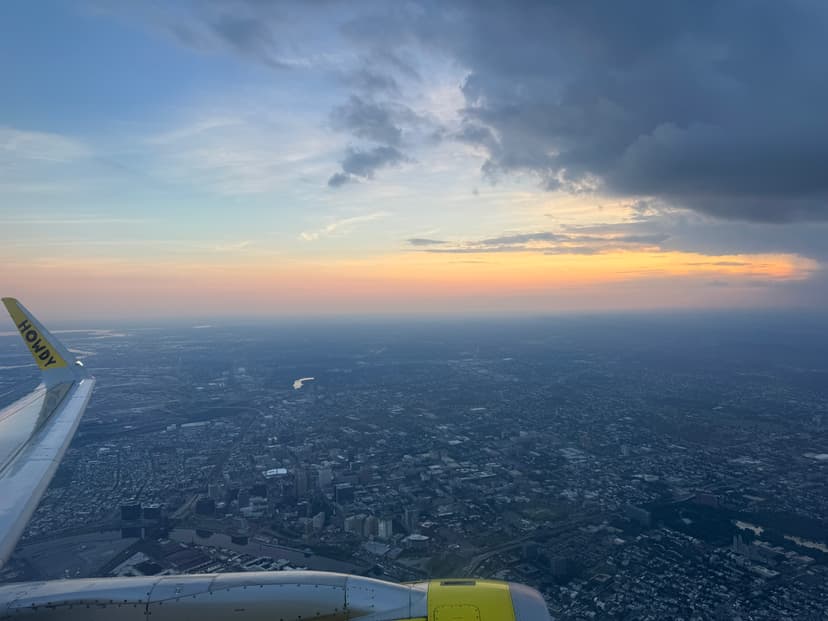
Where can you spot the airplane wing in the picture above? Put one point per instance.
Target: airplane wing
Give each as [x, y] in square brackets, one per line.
[34, 434]
[36, 430]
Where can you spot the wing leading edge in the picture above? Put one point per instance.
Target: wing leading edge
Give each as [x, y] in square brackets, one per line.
[36, 430]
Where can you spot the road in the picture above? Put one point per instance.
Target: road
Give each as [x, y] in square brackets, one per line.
[472, 566]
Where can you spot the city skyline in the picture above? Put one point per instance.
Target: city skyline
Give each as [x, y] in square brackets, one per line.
[670, 467]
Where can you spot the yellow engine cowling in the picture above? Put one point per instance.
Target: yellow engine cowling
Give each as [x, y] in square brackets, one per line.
[483, 600]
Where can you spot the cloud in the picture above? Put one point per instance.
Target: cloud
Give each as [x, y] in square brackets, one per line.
[686, 231]
[247, 35]
[363, 163]
[422, 241]
[261, 32]
[368, 120]
[343, 225]
[377, 122]
[475, 249]
[585, 250]
[521, 238]
[16, 145]
[369, 80]
[233, 247]
[239, 151]
[546, 242]
[720, 263]
[652, 238]
[339, 179]
[194, 130]
[716, 107]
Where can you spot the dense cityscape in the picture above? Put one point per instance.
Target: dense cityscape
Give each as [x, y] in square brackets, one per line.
[630, 467]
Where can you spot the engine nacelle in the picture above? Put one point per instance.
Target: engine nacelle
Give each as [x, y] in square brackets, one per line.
[270, 596]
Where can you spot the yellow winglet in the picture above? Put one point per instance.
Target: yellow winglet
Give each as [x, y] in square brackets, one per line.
[47, 352]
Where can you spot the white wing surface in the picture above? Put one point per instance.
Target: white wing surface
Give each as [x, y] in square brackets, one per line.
[36, 430]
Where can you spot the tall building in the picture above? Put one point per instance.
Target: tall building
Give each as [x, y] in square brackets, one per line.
[344, 493]
[325, 478]
[411, 519]
[371, 527]
[131, 511]
[354, 524]
[385, 529]
[302, 482]
[151, 512]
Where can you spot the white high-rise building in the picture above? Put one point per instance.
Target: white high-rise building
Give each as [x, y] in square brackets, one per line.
[385, 529]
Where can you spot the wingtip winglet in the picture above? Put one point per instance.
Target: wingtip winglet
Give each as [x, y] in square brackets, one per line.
[49, 354]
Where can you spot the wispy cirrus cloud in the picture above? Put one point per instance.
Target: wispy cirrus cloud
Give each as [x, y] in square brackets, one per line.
[242, 153]
[192, 130]
[233, 247]
[17, 145]
[342, 226]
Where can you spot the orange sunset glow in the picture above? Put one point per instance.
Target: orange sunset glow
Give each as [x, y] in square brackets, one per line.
[409, 282]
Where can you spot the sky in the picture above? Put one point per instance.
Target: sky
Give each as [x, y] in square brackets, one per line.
[250, 158]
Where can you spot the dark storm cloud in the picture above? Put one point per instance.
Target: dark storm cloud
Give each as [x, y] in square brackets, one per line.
[653, 238]
[368, 120]
[714, 106]
[689, 232]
